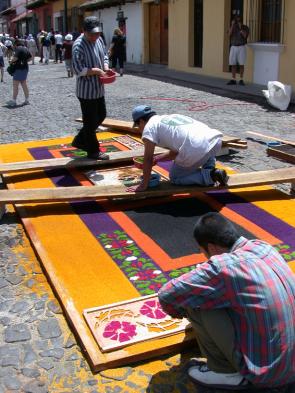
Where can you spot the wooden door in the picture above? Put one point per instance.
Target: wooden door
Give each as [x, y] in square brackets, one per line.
[158, 32]
[164, 32]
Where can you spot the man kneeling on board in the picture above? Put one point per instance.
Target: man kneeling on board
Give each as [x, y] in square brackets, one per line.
[192, 147]
[241, 306]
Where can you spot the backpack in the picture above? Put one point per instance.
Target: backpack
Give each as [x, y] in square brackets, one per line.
[46, 41]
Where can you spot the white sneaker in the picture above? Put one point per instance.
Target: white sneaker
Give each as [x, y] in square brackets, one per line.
[11, 103]
[26, 102]
[204, 376]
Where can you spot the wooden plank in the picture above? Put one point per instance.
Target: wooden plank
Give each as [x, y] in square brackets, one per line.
[272, 138]
[52, 163]
[236, 145]
[249, 179]
[283, 152]
[122, 125]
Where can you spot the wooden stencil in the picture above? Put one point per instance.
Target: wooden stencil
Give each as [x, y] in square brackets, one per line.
[117, 325]
[124, 176]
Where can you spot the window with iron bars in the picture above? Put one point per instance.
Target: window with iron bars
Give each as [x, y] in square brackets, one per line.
[265, 19]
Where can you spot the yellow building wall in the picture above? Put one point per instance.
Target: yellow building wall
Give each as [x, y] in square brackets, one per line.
[181, 30]
[59, 5]
[287, 59]
[216, 23]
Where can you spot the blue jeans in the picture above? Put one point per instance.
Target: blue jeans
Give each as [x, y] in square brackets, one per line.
[199, 173]
[185, 176]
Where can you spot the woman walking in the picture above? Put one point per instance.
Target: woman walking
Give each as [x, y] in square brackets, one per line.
[117, 51]
[20, 63]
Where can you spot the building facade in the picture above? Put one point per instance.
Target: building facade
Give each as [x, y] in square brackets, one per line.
[184, 35]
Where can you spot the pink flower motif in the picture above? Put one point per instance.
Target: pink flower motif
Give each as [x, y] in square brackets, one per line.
[152, 309]
[126, 252]
[155, 286]
[120, 331]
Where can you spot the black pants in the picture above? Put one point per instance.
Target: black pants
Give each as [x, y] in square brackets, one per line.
[117, 58]
[93, 114]
[58, 52]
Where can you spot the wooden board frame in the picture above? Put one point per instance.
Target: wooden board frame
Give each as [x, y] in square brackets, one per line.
[278, 152]
[240, 180]
[117, 157]
[122, 125]
[273, 138]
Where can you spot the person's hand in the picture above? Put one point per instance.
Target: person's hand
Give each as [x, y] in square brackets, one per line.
[99, 72]
[138, 188]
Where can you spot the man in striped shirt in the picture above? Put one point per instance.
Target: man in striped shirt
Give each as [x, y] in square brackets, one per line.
[90, 61]
[241, 306]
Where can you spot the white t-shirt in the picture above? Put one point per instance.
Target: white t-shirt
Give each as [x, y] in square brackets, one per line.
[58, 39]
[190, 138]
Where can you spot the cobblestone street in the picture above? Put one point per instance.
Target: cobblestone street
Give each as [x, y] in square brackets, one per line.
[38, 352]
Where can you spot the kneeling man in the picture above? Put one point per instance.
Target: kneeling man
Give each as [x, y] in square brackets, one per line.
[192, 146]
[241, 306]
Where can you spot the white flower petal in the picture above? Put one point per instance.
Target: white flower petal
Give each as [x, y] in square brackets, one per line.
[131, 259]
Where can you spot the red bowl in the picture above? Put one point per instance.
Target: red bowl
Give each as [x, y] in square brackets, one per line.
[110, 77]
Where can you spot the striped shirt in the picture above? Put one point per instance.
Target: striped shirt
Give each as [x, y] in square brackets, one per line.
[87, 55]
[257, 287]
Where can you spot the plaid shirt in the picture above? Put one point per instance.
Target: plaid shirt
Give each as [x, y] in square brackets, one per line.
[257, 287]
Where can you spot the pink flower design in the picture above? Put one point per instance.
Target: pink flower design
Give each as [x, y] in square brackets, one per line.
[120, 331]
[155, 286]
[152, 309]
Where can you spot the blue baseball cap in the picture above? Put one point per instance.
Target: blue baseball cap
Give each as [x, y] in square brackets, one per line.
[141, 111]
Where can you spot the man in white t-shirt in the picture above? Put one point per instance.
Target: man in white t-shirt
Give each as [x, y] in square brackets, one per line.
[58, 46]
[192, 146]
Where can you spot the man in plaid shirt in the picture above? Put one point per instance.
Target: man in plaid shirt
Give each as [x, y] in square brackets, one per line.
[241, 306]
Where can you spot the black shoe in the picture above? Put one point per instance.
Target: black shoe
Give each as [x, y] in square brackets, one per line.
[220, 176]
[241, 83]
[98, 156]
[232, 82]
[77, 144]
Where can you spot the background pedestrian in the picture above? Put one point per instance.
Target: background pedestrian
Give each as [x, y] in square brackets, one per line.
[20, 61]
[117, 50]
[32, 47]
[67, 54]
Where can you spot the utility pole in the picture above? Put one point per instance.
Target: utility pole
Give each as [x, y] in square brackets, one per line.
[66, 16]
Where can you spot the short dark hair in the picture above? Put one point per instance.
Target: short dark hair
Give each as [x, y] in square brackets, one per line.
[91, 24]
[215, 229]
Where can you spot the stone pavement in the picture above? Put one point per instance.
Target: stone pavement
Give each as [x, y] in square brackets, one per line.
[38, 352]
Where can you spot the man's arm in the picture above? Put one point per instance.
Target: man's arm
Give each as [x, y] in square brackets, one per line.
[244, 31]
[149, 148]
[168, 156]
[80, 67]
[202, 287]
